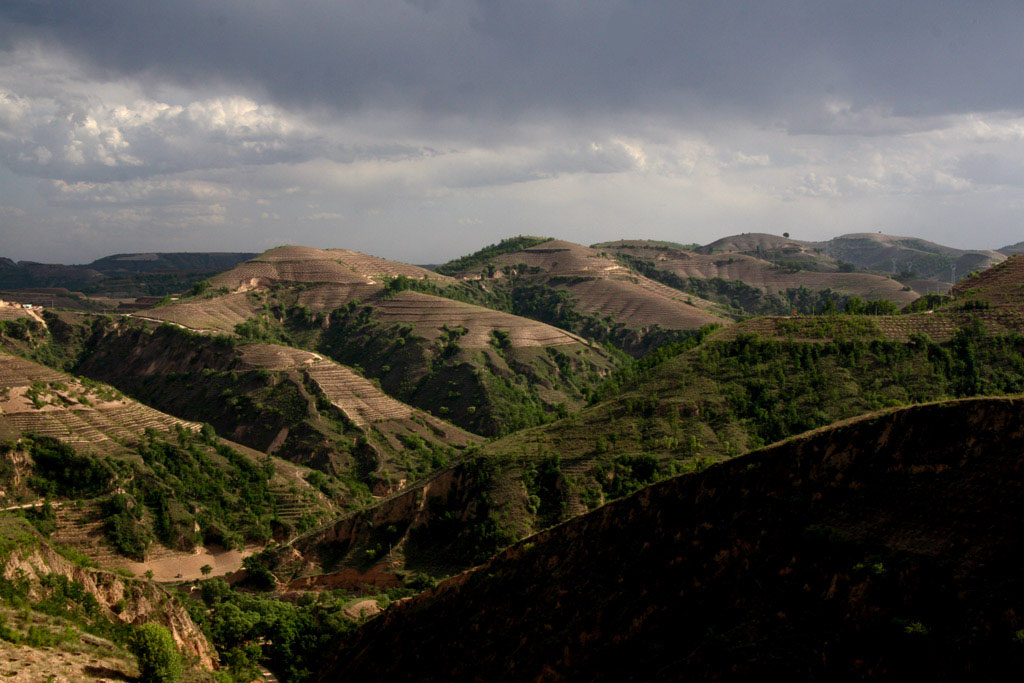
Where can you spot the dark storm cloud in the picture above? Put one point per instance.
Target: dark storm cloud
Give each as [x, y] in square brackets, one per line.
[502, 59]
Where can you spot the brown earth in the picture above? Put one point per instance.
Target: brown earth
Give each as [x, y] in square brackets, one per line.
[762, 274]
[308, 265]
[1001, 286]
[130, 601]
[602, 286]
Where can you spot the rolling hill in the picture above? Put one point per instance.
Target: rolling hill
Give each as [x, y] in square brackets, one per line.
[885, 548]
[704, 403]
[586, 291]
[892, 254]
[800, 268]
[122, 474]
[120, 276]
[486, 370]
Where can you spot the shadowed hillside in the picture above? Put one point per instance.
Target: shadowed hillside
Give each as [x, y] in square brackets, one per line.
[886, 548]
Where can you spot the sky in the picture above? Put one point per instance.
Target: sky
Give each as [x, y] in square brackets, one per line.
[420, 130]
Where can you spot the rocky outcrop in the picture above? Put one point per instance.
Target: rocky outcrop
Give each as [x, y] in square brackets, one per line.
[130, 601]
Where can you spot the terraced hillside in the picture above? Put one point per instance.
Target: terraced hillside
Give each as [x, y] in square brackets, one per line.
[295, 404]
[999, 287]
[713, 401]
[361, 401]
[886, 548]
[307, 265]
[103, 457]
[214, 314]
[34, 398]
[759, 273]
[486, 370]
[593, 288]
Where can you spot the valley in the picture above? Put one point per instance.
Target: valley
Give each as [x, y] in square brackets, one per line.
[299, 460]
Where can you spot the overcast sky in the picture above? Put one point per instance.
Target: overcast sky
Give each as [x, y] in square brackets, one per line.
[423, 129]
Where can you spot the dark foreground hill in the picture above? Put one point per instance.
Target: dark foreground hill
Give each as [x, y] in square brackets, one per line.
[884, 548]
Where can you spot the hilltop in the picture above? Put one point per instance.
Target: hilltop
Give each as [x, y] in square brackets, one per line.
[759, 276]
[586, 291]
[486, 370]
[893, 254]
[895, 561]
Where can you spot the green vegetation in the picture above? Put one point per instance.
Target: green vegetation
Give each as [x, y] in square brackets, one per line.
[159, 659]
[484, 255]
[172, 488]
[289, 638]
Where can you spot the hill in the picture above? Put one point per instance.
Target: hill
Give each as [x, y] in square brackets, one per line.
[885, 548]
[586, 291]
[293, 264]
[63, 618]
[121, 474]
[754, 284]
[707, 403]
[291, 403]
[485, 370]
[1000, 287]
[892, 254]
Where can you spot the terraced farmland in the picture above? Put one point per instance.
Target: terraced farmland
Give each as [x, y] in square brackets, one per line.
[217, 314]
[601, 286]
[38, 399]
[1001, 286]
[357, 397]
[939, 326]
[429, 313]
[762, 274]
[307, 265]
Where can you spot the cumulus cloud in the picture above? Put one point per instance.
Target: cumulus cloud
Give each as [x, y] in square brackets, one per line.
[75, 138]
[409, 127]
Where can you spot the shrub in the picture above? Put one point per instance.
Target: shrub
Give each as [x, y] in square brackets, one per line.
[159, 659]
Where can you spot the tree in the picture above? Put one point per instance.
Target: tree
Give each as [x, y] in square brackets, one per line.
[159, 659]
[206, 569]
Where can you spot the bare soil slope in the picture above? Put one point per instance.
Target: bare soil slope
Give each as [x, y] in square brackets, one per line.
[601, 286]
[886, 548]
[762, 273]
[308, 265]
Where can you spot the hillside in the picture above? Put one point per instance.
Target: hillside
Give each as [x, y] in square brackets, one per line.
[486, 370]
[892, 254]
[713, 401]
[777, 286]
[294, 264]
[291, 403]
[128, 481]
[586, 291]
[886, 548]
[64, 619]
[1000, 287]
